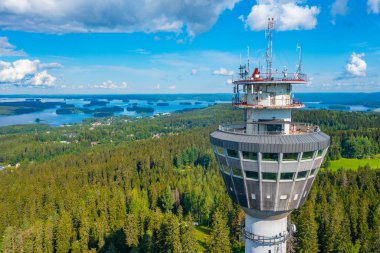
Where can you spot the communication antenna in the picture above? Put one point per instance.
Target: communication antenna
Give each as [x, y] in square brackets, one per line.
[299, 66]
[248, 70]
[269, 47]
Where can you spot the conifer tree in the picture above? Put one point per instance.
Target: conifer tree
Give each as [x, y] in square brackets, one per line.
[188, 240]
[64, 233]
[219, 239]
[307, 239]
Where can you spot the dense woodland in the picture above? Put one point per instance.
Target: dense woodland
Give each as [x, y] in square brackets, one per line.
[146, 181]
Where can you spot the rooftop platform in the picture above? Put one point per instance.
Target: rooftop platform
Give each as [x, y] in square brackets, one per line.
[295, 128]
[276, 78]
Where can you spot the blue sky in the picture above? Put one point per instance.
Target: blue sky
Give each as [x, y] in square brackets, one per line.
[116, 46]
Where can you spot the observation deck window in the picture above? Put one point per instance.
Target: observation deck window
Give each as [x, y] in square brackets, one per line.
[287, 176]
[220, 150]
[232, 153]
[302, 174]
[274, 128]
[270, 157]
[312, 172]
[249, 155]
[226, 169]
[269, 176]
[252, 174]
[237, 172]
[307, 155]
[320, 153]
[290, 157]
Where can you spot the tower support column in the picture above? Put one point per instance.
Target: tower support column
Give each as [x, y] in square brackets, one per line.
[265, 235]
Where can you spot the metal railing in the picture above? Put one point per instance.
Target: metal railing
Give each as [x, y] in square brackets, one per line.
[276, 77]
[273, 103]
[274, 240]
[294, 129]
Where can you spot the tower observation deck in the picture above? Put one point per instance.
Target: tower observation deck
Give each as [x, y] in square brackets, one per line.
[268, 162]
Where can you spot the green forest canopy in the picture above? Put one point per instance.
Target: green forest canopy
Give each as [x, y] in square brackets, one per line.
[135, 193]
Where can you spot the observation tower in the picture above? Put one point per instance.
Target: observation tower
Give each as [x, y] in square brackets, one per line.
[268, 162]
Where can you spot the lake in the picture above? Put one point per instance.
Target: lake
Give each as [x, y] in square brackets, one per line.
[167, 103]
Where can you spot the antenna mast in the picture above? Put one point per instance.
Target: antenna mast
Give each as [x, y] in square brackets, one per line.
[269, 47]
[299, 67]
[248, 60]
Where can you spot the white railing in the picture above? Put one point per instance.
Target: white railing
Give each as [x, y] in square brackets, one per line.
[294, 129]
[276, 77]
[277, 102]
[281, 238]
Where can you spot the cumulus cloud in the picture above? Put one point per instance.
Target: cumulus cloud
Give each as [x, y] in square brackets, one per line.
[194, 71]
[56, 16]
[42, 79]
[7, 49]
[26, 72]
[223, 72]
[373, 6]
[339, 7]
[356, 65]
[112, 85]
[289, 15]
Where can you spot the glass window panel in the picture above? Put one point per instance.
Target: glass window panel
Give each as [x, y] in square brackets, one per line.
[249, 155]
[312, 172]
[307, 155]
[237, 172]
[220, 150]
[287, 176]
[270, 157]
[232, 153]
[320, 152]
[252, 174]
[269, 176]
[290, 156]
[302, 174]
[226, 169]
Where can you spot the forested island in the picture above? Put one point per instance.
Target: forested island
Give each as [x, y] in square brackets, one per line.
[152, 185]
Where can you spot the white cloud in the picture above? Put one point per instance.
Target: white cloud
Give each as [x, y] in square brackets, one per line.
[157, 87]
[140, 51]
[26, 72]
[288, 14]
[194, 71]
[112, 85]
[223, 72]
[373, 6]
[356, 65]
[229, 81]
[339, 7]
[42, 79]
[56, 16]
[173, 87]
[7, 49]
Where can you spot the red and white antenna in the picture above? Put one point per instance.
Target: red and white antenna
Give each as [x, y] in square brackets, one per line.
[269, 47]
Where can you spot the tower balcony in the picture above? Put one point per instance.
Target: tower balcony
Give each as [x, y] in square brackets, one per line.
[273, 127]
[276, 78]
[267, 104]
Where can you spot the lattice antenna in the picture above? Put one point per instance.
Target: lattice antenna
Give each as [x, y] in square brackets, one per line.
[269, 47]
[299, 66]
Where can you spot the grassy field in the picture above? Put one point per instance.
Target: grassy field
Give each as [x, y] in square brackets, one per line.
[202, 234]
[353, 163]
